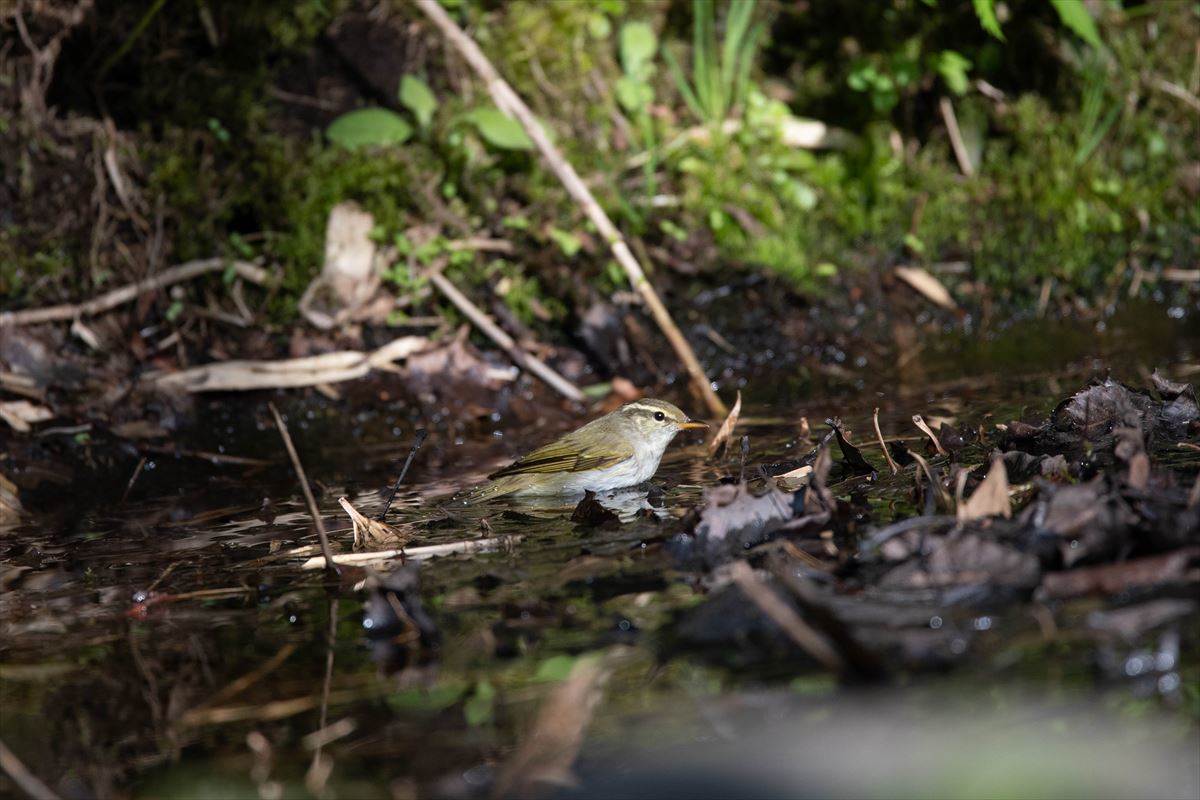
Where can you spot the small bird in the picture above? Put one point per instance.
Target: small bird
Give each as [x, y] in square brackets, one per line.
[620, 449]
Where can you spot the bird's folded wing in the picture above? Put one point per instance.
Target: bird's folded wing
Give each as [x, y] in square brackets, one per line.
[569, 454]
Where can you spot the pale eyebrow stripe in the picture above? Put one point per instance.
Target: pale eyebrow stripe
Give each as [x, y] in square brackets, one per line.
[645, 407]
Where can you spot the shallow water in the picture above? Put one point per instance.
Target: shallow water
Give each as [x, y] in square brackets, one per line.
[172, 645]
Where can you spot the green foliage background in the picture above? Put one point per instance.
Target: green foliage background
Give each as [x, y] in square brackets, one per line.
[672, 111]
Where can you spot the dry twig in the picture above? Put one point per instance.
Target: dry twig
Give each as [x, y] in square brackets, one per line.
[418, 553]
[126, 294]
[30, 784]
[956, 139]
[726, 430]
[522, 359]
[782, 615]
[883, 445]
[508, 102]
[311, 501]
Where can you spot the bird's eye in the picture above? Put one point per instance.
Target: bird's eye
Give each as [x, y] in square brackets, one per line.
[659, 416]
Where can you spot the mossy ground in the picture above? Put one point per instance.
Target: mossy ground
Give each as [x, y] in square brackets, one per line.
[1081, 167]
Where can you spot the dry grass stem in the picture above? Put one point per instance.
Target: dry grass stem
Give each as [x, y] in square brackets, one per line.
[919, 421]
[506, 343]
[418, 553]
[309, 500]
[128, 293]
[883, 445]
[726, 430]
[509, 103]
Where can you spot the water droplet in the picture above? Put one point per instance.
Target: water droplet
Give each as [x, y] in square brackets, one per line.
[935, 622]
[1168, 683]
[983, 623]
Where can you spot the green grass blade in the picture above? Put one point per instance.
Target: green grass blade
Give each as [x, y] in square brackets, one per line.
[681, 82]
[702, 38]
[733, 51]
[746, 62]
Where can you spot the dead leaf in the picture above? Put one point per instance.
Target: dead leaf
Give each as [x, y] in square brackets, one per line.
[22, 414]
[966, 559]
[734, 518]
[919, 421]
[927, 285]
[369, 531]
[726, 430]
[990, 498]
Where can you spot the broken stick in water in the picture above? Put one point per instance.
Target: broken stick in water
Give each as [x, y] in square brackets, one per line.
[417, 442]
[309, 500]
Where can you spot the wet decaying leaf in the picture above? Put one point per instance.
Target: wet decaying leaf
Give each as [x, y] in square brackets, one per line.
[853, 457]
[733, 519]
[1095, 515]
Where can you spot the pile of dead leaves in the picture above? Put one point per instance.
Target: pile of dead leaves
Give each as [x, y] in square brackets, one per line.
[1102, 498]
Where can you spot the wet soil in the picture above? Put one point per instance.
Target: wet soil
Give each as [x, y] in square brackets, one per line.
[162, 638]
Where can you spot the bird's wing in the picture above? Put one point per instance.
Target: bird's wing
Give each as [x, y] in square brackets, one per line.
[569, 454]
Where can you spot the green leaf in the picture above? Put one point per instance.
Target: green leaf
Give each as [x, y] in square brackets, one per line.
[480, 707]
[986, 11]
[681, 83]
[953, 68]
[638, 46]
[418, 98]
[736, 45]
[499, 130]
[568, 242]
[598, 26]
[633, 94]
[368, 127]
[1074, 15]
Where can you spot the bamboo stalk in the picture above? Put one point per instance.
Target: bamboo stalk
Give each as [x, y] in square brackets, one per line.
[509, 103]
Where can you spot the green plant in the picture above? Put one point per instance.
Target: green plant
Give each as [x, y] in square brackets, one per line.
[638, 45]
[719, 80]
[417, 97]
[369, 127]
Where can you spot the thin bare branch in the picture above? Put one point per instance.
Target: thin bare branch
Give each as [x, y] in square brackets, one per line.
[311, 501]
[126, 294]
[508, 102]
[522, 359]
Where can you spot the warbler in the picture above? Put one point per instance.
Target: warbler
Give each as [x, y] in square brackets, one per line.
[620, 449]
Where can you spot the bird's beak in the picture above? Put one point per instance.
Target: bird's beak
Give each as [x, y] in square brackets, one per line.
[692, 423]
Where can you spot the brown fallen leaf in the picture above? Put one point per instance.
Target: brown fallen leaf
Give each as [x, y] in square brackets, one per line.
[369, 531]
[991, 496]
[927, 286]
[726, 430]
[22, 414]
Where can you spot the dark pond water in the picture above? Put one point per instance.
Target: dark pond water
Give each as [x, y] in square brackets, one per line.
[244, 665]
